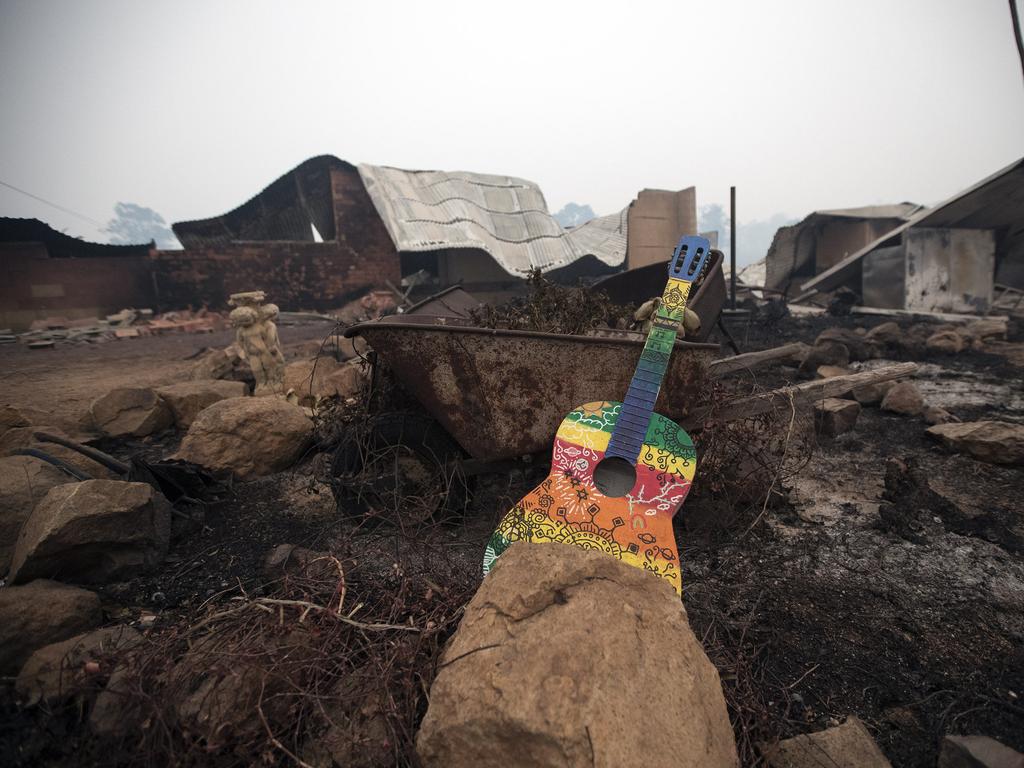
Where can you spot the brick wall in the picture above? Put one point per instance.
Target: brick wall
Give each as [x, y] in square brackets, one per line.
[36, 286]
[294, 275]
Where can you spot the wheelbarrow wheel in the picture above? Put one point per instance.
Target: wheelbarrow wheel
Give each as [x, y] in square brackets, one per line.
[401, 468]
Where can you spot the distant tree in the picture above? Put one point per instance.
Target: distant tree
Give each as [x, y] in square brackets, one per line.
[713, 218]
[573, 214]
[136, 224]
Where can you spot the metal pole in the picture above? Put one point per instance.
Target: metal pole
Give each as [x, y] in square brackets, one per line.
[732, 247]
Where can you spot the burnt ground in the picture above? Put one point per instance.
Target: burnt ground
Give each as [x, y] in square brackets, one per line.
[902, 603]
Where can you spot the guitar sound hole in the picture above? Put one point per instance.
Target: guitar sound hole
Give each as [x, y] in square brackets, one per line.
[614, 476]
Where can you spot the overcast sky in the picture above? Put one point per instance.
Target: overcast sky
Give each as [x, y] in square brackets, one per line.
[190, 108]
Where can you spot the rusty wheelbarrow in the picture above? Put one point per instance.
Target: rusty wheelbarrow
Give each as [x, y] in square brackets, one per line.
[493, 397]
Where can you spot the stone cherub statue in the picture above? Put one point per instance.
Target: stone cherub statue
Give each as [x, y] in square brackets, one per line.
[257, 340]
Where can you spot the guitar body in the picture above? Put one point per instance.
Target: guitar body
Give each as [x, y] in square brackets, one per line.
[619, 471]
[569, 508]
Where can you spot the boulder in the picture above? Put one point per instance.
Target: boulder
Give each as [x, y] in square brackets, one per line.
[887, 334]
[570, 657]
[250, 436]
[977, 752]
[987, 328]
[24, 481]
[324, 377]
[997, 442]
[308, 378]
[219, 364]
[10, 418]
[348, 349]
[24, 437]
[825, 353]
[904, 398]
[872, 394]
[946, 342]
[859, 345]
[136, 411]
[93, 532]
[933, 415]
[186, 399]
[846, 746]
[56, 671]
[41, 613]
[831, 371]
[834, 416]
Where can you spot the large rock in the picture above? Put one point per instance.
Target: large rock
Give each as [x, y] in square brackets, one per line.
[834, 416]
[932, 414]
[324, 377]
[250, 436]
[186, 399]
[57, 671]
[846, 746]
[41, 613]
[859, 345]
[977, 752]
[887, 334]
[24, 481]
[220, 364]
[947, 342]
[93, 532]
[997, 442]
[24, 437]
[903, 398]
[825, 353]
[872, 394]
[570, 657]
[136, 411]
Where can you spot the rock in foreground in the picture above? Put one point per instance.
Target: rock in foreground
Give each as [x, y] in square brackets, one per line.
[93, 532]
[569, 657]
[846, 746]
[250, 436]
[833, 416]
[41, 613]
[997, 442]
[24, 481]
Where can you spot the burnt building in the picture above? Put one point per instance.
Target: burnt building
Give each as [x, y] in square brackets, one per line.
[47, 274]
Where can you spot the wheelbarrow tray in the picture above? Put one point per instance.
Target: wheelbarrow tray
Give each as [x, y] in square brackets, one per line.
[502, 394]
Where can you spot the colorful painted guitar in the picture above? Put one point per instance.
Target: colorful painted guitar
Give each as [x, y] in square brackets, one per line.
[619, 471]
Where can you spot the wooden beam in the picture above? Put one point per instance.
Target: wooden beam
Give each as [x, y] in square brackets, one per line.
[750, 360]
[799, 394]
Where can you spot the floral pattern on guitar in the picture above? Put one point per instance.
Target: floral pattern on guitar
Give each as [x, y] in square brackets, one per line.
[567, 507]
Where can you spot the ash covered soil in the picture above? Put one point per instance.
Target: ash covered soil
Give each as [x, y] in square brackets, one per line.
[882, 576]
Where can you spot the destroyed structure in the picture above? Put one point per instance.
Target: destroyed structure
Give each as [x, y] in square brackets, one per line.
[326, 231]
[960, 256]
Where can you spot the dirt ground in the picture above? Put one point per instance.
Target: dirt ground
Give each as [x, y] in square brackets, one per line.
[882, 576]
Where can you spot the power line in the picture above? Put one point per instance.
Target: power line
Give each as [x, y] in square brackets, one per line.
[58, 207]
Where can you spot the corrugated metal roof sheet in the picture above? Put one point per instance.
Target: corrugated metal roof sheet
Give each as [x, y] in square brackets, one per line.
[996, 202]
[502, 215]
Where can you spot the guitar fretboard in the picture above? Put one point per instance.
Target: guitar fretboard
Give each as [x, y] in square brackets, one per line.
[631, 425]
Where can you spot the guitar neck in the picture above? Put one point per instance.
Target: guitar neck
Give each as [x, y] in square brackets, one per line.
[631, 426]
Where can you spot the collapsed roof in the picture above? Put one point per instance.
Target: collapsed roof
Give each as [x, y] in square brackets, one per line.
[422, 211]
[284, 210]
[793, 249]
[995, 203]
[61, 246]
[502, 215]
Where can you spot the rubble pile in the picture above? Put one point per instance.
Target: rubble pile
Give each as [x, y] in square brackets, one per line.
[126, 324]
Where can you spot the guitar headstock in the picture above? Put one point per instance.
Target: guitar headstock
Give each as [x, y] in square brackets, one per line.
[689, 257]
